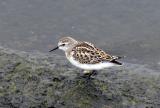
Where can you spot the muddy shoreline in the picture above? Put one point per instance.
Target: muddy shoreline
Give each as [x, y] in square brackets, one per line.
[38, 80]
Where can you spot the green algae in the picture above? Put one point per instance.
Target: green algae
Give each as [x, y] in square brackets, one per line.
[36, 84]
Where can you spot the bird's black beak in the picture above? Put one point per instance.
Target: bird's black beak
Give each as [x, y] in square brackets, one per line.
[54, 49]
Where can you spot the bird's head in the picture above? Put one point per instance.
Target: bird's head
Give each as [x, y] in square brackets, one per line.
[65, 43]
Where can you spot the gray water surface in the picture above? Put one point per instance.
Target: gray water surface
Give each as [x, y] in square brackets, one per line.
[128, 28]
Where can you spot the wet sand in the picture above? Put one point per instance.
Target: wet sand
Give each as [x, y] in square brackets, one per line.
[37, 80]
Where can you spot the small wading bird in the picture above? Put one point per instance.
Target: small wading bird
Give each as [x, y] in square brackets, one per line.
[86, 56]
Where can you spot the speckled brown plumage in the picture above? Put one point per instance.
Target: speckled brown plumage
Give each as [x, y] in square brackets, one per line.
[87, 53]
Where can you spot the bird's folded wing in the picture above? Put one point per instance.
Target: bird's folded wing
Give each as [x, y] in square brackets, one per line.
[87, 53]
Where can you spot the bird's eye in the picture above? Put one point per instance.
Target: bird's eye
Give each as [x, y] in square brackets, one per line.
[63, 45]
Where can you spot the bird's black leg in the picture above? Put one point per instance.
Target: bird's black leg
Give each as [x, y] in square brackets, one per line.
[88, 74]
[94, 72]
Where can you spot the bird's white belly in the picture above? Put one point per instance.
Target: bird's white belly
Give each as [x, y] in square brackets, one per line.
[97, 66]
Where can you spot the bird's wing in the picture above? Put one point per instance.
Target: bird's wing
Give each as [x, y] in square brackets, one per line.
[85, 52]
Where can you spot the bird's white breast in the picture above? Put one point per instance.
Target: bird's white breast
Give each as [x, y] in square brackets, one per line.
[97, 66]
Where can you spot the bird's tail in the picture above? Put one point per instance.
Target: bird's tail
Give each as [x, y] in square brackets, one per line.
[116, 62]
[115, 58]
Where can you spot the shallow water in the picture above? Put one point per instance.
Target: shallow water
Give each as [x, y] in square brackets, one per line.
[126, 28]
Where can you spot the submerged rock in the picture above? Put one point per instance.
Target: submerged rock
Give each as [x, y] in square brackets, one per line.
[36, 80]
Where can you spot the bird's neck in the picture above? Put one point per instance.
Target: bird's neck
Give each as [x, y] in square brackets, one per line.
[69, 51]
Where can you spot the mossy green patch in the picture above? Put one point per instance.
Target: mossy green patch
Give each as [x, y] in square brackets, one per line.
[30, 81]
[12, 87]
[81, 93]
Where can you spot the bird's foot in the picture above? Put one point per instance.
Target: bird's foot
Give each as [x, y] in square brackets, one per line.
[88, 74]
